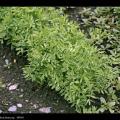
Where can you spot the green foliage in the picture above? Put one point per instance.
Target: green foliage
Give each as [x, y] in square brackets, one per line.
[58, 54]
[101, 26]
[74, 69]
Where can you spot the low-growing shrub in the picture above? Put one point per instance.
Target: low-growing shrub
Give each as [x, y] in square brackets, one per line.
[58, 54]
[101, 26]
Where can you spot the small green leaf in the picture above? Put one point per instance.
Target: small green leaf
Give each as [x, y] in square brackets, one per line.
[111, 104]
[111, 111]
[102, 110]
[118, 86]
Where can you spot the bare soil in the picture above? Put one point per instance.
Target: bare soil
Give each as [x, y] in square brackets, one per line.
[29, 94]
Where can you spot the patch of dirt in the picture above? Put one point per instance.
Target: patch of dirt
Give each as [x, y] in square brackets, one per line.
[27, 93]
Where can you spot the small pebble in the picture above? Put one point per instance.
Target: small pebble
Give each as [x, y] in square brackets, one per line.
[26, 101]
[45, 110]
[13, 87]
[14, 60]
[21, 90]
[19, 105]
[31, 103]
[20, 96]
[6, 61]
[35, 106]
[12, 108]
[4, 56]
[0, 111]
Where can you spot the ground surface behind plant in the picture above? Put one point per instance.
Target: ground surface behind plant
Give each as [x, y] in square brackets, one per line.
[27, 94]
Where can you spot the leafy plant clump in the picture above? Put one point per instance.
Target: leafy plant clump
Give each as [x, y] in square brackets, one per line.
[101, 26]
[58, 54]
